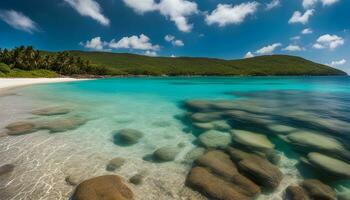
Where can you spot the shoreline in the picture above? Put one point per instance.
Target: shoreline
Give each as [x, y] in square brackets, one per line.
[10, 83]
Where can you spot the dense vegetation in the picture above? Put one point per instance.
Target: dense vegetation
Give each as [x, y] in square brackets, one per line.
[120, 63]
[28, 62]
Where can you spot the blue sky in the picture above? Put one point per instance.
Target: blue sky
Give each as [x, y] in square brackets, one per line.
[318, 30]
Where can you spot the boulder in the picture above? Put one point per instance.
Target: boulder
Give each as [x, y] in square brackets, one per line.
[296, 193]
[128, 136]
[315, 141]
[109, 187]
[212, 186]
[281, 129]
[198, 105]
[219, 163]
[330, 165]
[20, 128]
[206, 117]
[194, 154]
[64, 124]
[51, 111]
[252, 140]
[220, 125]
[137, 179]
[214, 139]
[259, 169]
[165, 154]
[5, 169]
[318, 190]
[115, 163]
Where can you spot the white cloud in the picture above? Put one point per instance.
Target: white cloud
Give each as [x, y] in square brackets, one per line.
[328, 2]
[18, 20]
[293, 47]
[295, 38]
[309, 3]
[141, 42]
[173, 40]
[312, 3]
[141, 6]
[298, 17]
[328, 41]
[173, 56]
[307, 31]
[225, 14]
[268, 49]
[151, 53]
[337, 62]
[273, 4]
[95, 43]
[249, 55]
[176, 10]
[89, 8]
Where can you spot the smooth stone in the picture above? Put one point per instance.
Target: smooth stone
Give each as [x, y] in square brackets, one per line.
[62, 125]
[198, 105]
[328, 164]
[318, 190]
[260, 170]
[252, 140]
[5, 169]
[206, 117]
[215, 139]
[137, 179]
[109, 187]
[212, 186]
[283, 129]
[220, 125]
[194, 154]
[308, 140]
[166, 154]
[129, 136]
[115, 163]
[296, 193]
[51, 111]
[218, 162]
[20, 128]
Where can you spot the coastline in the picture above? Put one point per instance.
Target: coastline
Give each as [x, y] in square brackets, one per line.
[10, 83]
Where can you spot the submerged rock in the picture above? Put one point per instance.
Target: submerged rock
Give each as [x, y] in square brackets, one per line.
[296, 193]
[252, 140]
[260, 170]
[282, 129]
[20, 128]
[62, 125]
[51, 111]
[318, 190]
[314, 141]
[328, 164]
[215, 139]
[137, 179]
[220, 125]
[115, 163]
[5, 169]
[206, 117]
[165, 154]
[218, 162]
[128, 136]
[194, 154]
[212, 186]
[103, 188]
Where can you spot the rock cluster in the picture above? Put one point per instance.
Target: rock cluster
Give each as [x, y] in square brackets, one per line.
[310, 189]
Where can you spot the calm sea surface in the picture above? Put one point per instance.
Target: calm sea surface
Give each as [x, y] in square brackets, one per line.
[299, 115]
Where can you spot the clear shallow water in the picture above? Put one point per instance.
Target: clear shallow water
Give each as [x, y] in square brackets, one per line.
[154, 106]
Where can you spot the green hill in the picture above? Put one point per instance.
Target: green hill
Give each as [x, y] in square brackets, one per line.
[132, 64]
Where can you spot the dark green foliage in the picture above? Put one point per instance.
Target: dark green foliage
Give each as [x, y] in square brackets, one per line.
[4, 68]
[27, 58]
[124, 64]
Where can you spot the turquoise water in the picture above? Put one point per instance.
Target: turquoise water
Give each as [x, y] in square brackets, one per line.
[155, 106]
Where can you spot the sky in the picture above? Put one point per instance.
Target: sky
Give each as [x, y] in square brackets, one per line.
[318, 30]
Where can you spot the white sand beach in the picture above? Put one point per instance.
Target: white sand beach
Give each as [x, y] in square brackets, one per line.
[6, 83]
